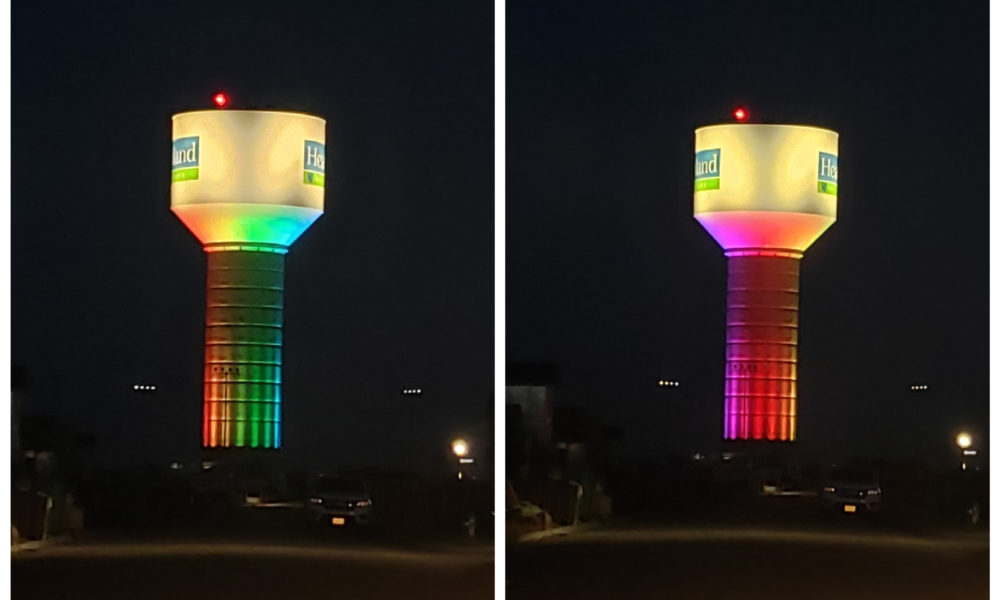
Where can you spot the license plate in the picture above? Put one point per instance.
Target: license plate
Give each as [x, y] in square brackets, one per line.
[850, 508]
[337, 520]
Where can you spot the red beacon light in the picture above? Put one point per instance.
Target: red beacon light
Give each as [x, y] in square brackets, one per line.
[220, 100]
[741, 114]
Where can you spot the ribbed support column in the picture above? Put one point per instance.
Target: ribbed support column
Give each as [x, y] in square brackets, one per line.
[762, 320]
[243, 319]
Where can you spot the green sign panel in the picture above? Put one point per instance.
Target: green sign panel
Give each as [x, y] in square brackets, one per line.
[184, 174]
[314, 179]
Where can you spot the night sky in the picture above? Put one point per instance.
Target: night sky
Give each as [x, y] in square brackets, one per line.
[610, 276]
[391, 288]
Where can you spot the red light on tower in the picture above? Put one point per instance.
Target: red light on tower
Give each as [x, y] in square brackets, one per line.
[220, 99]
[741, 114]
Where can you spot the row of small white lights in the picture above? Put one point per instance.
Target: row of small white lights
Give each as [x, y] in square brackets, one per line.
[413, 391]
[138, 387]
[665, 383]
[917, 388]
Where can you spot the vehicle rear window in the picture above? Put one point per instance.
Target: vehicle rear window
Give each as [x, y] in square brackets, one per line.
[340, 486]
[854, 475]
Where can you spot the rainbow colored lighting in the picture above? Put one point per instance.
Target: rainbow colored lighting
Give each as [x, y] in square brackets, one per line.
[247, 184]
[252, 223]
[243, 319]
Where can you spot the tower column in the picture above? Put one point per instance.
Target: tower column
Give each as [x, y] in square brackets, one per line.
[243, 320]
[762, 321]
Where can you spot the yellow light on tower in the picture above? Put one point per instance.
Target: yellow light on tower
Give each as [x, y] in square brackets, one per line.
[964, 440]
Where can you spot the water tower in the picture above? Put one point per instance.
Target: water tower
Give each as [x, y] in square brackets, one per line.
[765, 193]
[247, 183]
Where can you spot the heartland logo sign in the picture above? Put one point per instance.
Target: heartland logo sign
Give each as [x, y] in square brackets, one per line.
[827, 174]
[185, 165]
[706, 169]
[314, 171]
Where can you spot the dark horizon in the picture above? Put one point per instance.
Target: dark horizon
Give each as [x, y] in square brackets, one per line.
[391, 288]
[610, 276]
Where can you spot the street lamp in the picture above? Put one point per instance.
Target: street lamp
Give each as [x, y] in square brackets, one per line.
[964, 441]
[460, 448]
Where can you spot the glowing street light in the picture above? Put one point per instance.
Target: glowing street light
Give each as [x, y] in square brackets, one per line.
[460, 448]
[964, 441]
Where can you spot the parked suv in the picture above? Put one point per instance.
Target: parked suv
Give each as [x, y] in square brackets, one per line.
[850, 489]
[340, 501]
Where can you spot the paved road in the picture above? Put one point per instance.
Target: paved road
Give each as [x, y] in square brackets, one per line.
[748, 564]
[247, 570]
